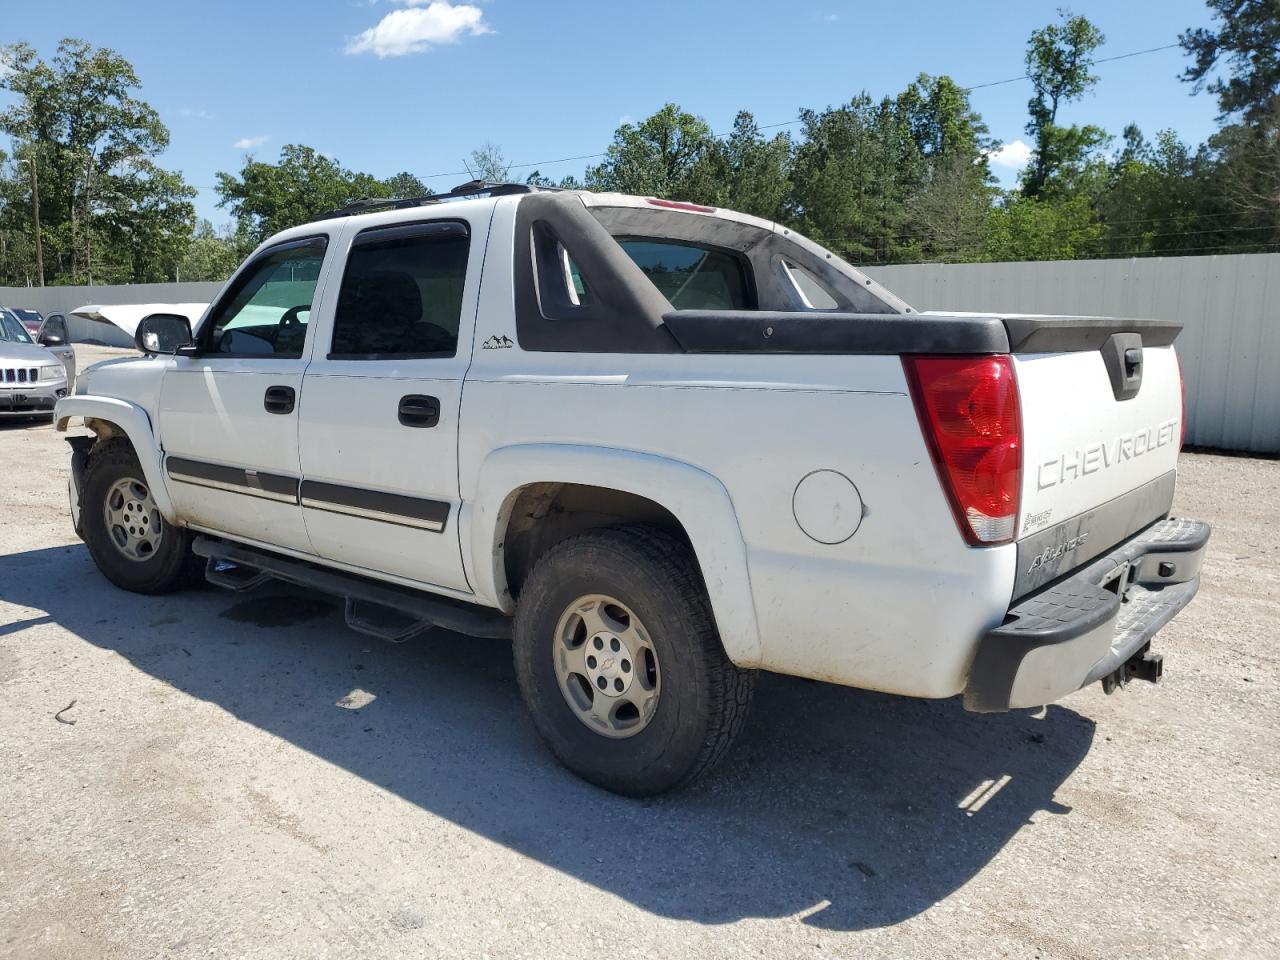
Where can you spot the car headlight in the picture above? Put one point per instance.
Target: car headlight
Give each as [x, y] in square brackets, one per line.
[54, 371]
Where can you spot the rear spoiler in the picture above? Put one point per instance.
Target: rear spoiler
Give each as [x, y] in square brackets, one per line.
[758, 331]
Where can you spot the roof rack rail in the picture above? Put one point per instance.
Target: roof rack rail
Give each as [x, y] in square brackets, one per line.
[472, 188]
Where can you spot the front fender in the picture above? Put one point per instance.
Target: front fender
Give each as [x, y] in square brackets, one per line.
[132, 421]
[696, 498]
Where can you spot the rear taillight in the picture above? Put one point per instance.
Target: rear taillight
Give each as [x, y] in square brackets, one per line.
[968, 409]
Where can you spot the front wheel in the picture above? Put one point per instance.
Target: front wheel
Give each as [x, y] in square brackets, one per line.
[127, 537]
[620, 664]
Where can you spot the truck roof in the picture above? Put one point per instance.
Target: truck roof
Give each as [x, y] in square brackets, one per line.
[634, 216]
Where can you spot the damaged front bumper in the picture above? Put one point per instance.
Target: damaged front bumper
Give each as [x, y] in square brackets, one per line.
[1095, 624]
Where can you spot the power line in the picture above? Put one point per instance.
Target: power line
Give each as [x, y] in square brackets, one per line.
[1119, 56]
[772, 126]
[795, 120]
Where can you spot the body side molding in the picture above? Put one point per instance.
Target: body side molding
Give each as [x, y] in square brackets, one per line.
[394, 508]
[268, 486]
[402, 510]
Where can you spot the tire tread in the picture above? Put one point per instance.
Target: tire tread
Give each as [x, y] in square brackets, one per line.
[183, 568]
[669, 558]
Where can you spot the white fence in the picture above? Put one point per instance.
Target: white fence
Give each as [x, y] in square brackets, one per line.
[1229, 306]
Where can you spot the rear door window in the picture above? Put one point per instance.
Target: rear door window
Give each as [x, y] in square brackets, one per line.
[402, 293]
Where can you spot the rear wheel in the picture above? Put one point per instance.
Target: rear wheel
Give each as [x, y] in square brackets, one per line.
[620, 664]
[132, 544]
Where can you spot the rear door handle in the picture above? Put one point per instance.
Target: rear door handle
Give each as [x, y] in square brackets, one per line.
[279, 400]
[417, 410]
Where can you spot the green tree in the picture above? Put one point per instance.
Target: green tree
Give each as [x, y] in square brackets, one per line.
[108, 212]
[488, 164]
[1162, 197]
[1247, 37]
[856, 169]
[303, 184]
[1248, 171]
[942, 121]
[947, 213]
[1245, 42]
[1042, 228]
[406, 185]
[753, 170]
[212, 254]
[17, 240]
[672, 154]
[1058, 60]
[537, 179]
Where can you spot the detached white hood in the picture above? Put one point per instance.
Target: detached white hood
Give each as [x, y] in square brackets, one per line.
[127, 316]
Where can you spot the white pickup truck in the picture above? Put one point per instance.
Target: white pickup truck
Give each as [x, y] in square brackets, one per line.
[661, 447]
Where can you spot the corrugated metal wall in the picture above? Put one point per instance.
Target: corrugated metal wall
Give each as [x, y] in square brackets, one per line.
[1229, 307]
[63, 299]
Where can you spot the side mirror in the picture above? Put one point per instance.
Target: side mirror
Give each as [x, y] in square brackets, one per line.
[165, 333]
[50, 340]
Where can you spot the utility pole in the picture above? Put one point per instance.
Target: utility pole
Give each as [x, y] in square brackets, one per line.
[35, 214]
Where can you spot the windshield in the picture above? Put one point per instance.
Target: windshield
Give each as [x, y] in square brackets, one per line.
[11, 330]
[27, 316]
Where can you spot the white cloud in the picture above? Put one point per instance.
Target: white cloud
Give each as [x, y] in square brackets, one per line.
[1011, 156]
[248, 143]
[421, 26]
[198, 114]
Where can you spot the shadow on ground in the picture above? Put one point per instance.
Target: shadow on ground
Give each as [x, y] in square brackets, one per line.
[13, 424]
[855, 809]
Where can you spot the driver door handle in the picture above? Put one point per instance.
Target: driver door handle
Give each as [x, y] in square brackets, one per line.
[279, 400]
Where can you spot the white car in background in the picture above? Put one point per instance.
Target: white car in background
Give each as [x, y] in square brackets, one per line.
[32, 378]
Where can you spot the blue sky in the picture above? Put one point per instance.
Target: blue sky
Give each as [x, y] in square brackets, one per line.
[385, 86]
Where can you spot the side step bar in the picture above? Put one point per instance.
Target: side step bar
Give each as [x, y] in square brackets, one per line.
[381, 610]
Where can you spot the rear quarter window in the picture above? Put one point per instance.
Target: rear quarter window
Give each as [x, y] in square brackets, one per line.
[694, 277]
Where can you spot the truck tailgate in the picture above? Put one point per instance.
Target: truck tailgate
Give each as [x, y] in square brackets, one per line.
[1101, 428]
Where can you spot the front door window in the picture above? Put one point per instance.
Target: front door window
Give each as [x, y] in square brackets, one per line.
[266, 311]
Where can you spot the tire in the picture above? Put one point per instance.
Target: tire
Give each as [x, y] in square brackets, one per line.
[167, 564]
[697, 700]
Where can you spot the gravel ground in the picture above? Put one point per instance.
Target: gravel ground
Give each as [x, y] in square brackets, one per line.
[241, 776]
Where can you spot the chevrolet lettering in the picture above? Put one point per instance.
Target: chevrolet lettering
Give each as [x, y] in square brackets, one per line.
[1098, 456]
